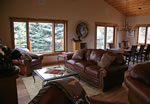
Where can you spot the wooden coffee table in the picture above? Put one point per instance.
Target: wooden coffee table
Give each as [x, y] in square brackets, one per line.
[46, 75]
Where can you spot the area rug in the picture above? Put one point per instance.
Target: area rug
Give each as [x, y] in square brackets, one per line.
[33, 88]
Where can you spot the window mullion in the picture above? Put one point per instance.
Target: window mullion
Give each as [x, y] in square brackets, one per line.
[64, 38]
[53, 37]
[114, 38]
[138, 35]
[146, 35]
[28, 41]
[105, 39]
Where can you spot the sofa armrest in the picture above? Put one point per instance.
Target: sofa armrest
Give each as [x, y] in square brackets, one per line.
[102, 74]
[20, 62]
[111, 76]
[26, 61]
[69, 55]
[116, 68]
[138, 89]
[95, 100]
[40, 56]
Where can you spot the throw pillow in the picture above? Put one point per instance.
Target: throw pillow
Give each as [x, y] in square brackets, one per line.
[78, 54]
[106, 60]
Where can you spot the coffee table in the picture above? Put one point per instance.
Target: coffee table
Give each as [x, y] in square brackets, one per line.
[46, 75]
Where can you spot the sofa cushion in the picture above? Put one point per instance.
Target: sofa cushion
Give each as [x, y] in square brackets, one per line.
[71, 61]
[92, 71]
[96, 55]
[106, 60]
[141, 72]
[79, 54]
[82, 64]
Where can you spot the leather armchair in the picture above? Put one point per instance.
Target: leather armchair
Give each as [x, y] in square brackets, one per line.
[138, 84]
[28, 65]
[65, 91]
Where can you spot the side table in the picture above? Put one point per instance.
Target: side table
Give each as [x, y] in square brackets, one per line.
[61, 56]
[64, 55]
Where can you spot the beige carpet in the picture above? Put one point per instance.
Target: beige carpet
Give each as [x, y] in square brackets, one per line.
[33, 88]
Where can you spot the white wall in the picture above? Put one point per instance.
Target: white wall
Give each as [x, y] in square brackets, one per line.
[75, 11]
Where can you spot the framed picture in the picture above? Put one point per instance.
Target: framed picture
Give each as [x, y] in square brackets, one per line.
[130, 33]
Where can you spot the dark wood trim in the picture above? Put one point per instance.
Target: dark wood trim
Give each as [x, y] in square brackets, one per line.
[95, 37]
[53, 37]
[66, 37]
[51, 54]
[146, 35]
[27, 33]
[142, 25]
[106, 24]
[115, 37]
[137, 34]
[105, 37]
[21, 19]
[52, 63]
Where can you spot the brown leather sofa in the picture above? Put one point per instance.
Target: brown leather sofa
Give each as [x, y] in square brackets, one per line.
[65, 91]
[88, 69]
[138, 84]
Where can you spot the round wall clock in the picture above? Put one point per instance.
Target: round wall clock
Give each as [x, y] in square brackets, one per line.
[82, 30]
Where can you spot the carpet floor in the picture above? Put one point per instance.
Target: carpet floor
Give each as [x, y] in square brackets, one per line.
[33, 88]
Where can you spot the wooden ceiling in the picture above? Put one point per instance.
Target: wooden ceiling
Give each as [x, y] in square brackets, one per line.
[131, 7]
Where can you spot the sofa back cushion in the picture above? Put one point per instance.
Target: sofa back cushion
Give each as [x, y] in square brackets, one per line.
[87, 54]
[106, 60]
[79, 54]
[96, 54]
[141, 72]
[119, 59]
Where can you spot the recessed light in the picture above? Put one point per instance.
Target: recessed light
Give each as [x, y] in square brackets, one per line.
[140, 8]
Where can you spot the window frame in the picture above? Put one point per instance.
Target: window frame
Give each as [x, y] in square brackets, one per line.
[106, 25]
[27, 20]
[137, 31]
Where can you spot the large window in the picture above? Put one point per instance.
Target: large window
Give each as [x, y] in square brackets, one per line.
[105, 34]
[37, 36]
[144, 35]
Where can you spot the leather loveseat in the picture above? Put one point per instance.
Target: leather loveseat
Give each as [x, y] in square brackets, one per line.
[29, 62]
[88, 69]
[138, 83]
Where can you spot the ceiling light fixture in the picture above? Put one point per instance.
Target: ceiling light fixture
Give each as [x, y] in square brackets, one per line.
[140, 8]
[126, 27]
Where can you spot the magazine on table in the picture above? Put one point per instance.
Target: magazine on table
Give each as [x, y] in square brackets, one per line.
[55, 71]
